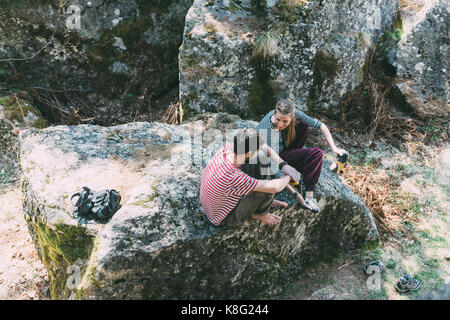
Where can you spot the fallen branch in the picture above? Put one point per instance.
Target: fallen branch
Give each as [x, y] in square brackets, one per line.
[172, 113]
[345, 265]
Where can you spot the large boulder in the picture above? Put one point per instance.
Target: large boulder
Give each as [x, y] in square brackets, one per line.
[216, 71]
[109, 52]
[441, 293]
[318, 55]
[421, 57]
[159, 245]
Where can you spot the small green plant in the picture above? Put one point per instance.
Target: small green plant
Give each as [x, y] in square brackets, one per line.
[233, 8]
[396, 34]
[431, 263]
[5, 175]
[391, 264]
[210, 28]
[378, 294]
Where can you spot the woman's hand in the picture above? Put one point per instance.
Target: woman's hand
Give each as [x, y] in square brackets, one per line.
[292, 172]
[339, 152]
[326, 133]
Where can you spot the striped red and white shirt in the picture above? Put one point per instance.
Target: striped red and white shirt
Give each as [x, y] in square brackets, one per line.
[222, 186]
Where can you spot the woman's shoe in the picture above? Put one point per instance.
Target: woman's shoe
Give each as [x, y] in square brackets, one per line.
[312, 203]
[370, 268]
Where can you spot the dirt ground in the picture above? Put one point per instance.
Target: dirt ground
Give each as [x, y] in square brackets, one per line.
[22, 275]
[416, 206]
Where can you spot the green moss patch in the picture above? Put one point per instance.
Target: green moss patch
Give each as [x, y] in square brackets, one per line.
[259, 8]
[325, 67]
[60, 248]
[17, 109]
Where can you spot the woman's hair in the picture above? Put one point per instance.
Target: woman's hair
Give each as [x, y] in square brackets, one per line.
[247, 140]
[287, 107]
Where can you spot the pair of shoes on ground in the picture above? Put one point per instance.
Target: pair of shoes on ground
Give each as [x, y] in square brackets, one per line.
[405, 284]
[371, 267]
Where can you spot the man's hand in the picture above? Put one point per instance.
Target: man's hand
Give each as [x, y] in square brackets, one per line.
[272, 186]
[292, 172]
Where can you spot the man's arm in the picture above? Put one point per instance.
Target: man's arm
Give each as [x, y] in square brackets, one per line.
[272, 186]
[287, 169]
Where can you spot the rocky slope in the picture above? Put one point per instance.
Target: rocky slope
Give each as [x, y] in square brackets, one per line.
[236, 56]
[319, 49]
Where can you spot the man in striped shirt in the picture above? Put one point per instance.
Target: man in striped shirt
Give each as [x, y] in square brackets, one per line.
[228, 195]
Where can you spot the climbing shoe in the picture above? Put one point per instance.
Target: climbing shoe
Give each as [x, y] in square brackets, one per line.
[92, 205]
[312, 203]
[407, 284]
[370, 268]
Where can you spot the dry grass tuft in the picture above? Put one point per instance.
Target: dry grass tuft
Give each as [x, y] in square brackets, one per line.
[266, 44]
[376, 189]
[174, 114]
[411, 5]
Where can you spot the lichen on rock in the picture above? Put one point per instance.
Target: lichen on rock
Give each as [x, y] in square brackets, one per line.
[309, 28]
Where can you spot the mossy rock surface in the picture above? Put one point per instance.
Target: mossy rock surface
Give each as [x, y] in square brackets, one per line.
[60, 248]
[21, 112]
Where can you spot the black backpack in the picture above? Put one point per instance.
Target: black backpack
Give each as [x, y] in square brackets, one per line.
[99, 206]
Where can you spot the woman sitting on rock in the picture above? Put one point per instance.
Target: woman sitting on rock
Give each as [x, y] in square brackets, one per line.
[291, 130]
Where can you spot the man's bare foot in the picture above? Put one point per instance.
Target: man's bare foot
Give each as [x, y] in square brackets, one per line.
[268, 218]
[278, 203]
